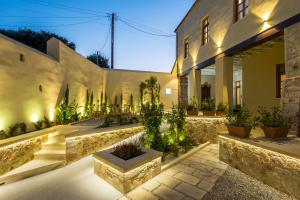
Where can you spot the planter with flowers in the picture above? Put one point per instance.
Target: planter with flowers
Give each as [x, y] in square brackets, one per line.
[208, 107]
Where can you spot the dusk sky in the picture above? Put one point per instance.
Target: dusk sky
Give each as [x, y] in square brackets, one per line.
[85, 23]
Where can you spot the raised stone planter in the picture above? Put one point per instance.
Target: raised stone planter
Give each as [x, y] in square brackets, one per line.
[125, 175]
[78, 147]
[279, 170]
[204, 129]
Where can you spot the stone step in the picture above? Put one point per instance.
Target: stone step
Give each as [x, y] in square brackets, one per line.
[50, 154]
[56, 138]
[54, 146]
[31, 168]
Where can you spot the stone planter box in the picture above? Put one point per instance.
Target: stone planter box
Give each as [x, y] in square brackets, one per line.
[276, 132]
[125, 175]
[220, 113]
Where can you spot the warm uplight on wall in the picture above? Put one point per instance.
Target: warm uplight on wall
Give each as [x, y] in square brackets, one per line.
[51, 115]
[1, 125]
[34, 117]
[265, 19]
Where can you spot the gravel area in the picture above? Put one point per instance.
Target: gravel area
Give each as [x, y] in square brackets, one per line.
[235, 185]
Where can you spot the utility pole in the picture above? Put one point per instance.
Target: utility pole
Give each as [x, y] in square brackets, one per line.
[112, 40]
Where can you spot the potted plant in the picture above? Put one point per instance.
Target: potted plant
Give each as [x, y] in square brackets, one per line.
[208, 107]
[221, 109]
[239, 123]
[192, 108]
[127, 166]
[273, 123]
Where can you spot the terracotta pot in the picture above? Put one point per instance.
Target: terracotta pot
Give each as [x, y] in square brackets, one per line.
[209, 113]
[192, 112]
[220, 113]
[276, 132]
[238, 131]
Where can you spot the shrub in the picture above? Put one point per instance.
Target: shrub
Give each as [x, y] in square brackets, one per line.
[221, 107]
[241, 118]
[152, 116]
[47, 122]
[3, 135]
[273, 118]
[38, 125]
[127, 150]
[208, 105]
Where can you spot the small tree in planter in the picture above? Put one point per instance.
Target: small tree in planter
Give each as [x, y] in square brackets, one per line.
[192, 108]
[273, 123]
[208, 107]
[221, 109]
[239, 123]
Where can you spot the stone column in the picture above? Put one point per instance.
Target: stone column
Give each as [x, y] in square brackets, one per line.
[291, 91]
[224, 81]
[195, 85]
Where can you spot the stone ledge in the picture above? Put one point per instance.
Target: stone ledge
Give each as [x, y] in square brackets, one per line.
[274, 169]
[124, 166]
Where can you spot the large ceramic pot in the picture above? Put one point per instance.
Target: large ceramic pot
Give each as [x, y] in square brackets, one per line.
[276, 132]
[192, 112]
[238, 131]
[209, 113]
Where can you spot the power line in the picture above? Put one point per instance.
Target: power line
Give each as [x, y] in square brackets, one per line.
[68, 8]
[53, 26]
[52, 17]
[144, 31]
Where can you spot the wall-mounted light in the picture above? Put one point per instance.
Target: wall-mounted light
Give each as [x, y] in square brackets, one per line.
[265, 19]
[168, 91]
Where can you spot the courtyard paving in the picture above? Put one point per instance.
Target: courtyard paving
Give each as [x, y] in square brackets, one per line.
[200, 176]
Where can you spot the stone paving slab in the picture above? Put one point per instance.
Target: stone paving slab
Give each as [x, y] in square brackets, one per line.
[191, 178]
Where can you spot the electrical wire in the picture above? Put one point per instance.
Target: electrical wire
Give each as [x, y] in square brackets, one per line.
[144, 31]
[53, 26]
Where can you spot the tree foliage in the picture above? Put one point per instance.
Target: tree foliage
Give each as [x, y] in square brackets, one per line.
[35, 39]
[99, 60]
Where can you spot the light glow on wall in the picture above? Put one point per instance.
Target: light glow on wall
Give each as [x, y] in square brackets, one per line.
[51, 115]
[35, 117]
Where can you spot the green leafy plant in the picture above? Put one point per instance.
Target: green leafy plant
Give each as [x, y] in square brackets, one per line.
[221, 107]
[108, 120]
[208, 105]
[242, 118]
[66, 112]
[38, 125]
[175, 136]
[3, 135]
[128, 150]
[22, 127]
[152, 116]
[273, 118]
[142, 92]
[193, 106]
[47, 122]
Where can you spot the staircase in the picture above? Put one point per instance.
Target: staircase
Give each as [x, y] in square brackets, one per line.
[50, 157]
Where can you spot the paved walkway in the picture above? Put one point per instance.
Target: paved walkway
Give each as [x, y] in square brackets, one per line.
[191, 178]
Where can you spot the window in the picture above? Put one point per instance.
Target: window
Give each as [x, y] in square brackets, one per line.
[205, 30]
[241, 9]
[280, 77]
[238, 93]
[186, 47]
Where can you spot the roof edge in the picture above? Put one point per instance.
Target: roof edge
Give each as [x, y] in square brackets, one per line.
[184, 18]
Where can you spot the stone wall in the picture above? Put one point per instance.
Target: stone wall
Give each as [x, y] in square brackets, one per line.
[291, 92]
[203, 129]
[16, 154]
[277, 170]
[81, 146]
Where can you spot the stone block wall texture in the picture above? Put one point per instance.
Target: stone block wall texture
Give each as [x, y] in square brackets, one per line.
[291, 92]
[274, 169]
[81, 146]
[126, 182]
[203, 129]
[16, 154]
